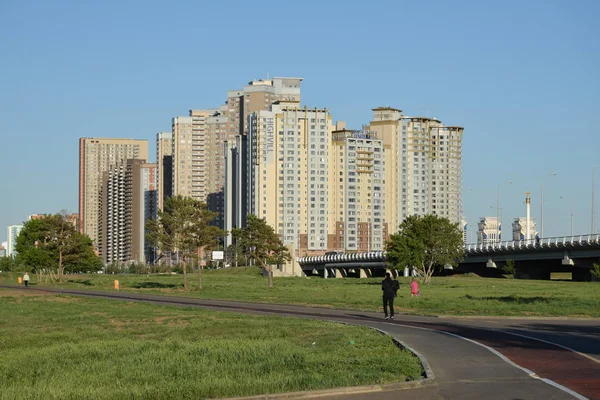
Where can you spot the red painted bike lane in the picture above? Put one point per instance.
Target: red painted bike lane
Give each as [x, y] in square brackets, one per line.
[547, 361]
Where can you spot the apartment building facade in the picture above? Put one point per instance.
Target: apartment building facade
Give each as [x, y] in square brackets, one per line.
[164, 164]
[96, 156]
[129, 198]
[356, 182]
[287, 173]
[12, 233]
[423, 166]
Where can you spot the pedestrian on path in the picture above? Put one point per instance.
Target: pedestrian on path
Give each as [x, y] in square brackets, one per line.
[26, 279]
[389, 288]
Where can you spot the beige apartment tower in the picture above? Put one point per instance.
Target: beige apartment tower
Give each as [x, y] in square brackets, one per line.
[96, 155]
[423, 166]
[287, 171]
[198, 158]
[356, 182]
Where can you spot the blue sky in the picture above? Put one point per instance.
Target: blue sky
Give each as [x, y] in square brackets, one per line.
[521, 77]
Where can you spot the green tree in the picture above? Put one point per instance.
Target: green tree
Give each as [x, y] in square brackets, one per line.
[52, 244]
[202, 236]
[183, 228]
[261, 243]
[425, 243]
[596, 270]
[509, 268]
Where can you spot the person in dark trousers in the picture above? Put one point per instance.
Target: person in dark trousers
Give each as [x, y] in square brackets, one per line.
[389, 288]
[26, 279]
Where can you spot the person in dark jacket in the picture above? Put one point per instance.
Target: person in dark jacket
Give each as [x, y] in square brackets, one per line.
[389, 288]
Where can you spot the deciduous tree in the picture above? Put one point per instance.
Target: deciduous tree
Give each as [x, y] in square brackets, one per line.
[261, 243]
[425, 243]
[183, 228]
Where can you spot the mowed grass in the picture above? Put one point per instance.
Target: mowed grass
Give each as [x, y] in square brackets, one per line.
[458, 295]
[63, 347]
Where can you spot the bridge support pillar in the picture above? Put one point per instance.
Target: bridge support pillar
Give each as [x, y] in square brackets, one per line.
[491, 264]
[340, 273]
[365, 273]
[567, 260]
[392, 272]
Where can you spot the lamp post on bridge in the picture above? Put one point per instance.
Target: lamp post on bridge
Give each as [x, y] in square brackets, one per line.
[594, 198]
[570, 212]
[542, 206]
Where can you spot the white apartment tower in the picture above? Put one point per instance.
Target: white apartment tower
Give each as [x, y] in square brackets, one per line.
[12, 235]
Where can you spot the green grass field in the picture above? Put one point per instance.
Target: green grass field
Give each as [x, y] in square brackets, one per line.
[460, 295]
[65, 347]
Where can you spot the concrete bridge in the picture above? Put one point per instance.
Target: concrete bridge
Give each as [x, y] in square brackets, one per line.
[534, 258]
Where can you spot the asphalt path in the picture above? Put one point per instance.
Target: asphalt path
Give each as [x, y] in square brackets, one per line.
[464, 358]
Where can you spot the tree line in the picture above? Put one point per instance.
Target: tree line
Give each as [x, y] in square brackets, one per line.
[52, 246]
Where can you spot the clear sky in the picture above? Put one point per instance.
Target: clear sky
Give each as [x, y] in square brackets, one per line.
[522, 77]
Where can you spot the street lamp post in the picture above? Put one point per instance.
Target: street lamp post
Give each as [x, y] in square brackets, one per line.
[498, 208]
[594, 198]
[570, 212]
[542, 206]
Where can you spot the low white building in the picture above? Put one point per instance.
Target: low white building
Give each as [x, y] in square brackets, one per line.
[519, 228]
[489, 230]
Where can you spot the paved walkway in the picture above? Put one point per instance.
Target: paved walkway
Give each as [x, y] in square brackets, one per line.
[479, 358]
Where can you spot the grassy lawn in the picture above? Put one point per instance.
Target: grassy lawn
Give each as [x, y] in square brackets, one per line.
[460, 295]
[65, 347]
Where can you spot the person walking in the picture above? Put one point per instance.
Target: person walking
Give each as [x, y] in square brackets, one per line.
[389, 288]
[26, 279]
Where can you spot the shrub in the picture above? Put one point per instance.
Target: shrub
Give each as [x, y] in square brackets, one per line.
[509, 268]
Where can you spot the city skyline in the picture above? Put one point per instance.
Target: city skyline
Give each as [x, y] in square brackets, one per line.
[525, 94]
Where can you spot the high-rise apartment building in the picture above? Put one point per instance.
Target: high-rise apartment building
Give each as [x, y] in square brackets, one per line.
[182, 159]
[164, 161]
[423, 166]
[287, 173]
[12, 235]
[96, 155]
[198, 157]
[356, 184]
[258, 95]
[129, 199]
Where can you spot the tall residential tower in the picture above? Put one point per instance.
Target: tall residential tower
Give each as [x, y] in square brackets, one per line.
[96, 155]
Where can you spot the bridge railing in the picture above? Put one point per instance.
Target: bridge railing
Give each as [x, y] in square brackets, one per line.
[549, 242]
[558, 241]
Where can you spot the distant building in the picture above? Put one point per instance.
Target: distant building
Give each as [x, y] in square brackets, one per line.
[519, 228]
[489, 231]
[128, 200]
[97, 155]
[423, 166]
[464, 226]
[37, 216]
[2, 251]
[12, 233]
[164, 161]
